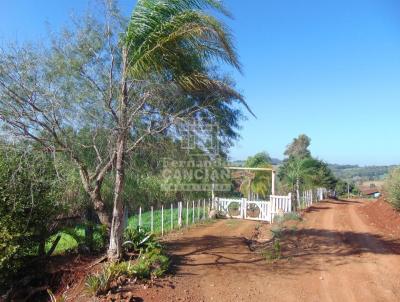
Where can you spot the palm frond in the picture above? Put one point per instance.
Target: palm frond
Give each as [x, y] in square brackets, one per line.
[179, 41]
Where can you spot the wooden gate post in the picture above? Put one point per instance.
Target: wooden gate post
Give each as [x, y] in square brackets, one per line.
[273, 182]
[243, 208]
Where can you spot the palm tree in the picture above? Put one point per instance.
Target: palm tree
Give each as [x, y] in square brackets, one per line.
[175, 41]
[260, 181]
[296, 171]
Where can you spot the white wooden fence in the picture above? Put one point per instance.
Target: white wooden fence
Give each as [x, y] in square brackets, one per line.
[170, 217]
[253, 209]
[178, 215]
[265, 210]
[308, 197]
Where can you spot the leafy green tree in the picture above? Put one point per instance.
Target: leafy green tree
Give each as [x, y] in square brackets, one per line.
[259, 159]
[392, 188]
[323, 175]
[108, 84]
[260, 184]
[297, 172]
[29, 208]
[301, 170]
[299, 147]
[343, 187]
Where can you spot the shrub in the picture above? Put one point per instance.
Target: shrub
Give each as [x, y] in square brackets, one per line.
[100, 282]
[149, 265]
[152, 264]
[274, 252]
[392, 188]
[29, 194]
[294, 216]
[139, 240]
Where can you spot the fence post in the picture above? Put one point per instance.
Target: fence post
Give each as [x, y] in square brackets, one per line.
[172, 217]
[152, 222]
[204, 209]
[308, 197]
[198, 210]
[269, 207]
[187, 213]
[140, 217]
[162, 220]
[243, 208]
[193, 211]
[273, 182]
[180, 214]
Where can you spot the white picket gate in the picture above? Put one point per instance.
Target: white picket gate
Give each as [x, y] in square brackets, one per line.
[253, 209]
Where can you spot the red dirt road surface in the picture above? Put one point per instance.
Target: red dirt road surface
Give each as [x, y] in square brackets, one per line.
[337, 253]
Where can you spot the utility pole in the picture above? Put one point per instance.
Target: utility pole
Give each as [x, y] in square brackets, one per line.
[348, 190]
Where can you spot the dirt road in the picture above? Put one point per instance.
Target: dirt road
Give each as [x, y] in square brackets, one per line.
[334, 254]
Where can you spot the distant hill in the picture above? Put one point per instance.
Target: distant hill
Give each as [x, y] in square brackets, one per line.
[358, 174]
[353, 173]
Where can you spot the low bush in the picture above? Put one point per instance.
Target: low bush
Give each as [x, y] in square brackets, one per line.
[291, 216]
[392, 188]
[30, 203]
[276, 231]
[274, 252]
[138, 240]
[101, 282]
[150, 264]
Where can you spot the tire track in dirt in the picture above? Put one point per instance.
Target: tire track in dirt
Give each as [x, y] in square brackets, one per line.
[329, 279]
[351, 273]
[355, 264]
[380, 260]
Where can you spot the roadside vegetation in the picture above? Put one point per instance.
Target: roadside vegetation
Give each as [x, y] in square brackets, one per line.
[392, 188]
[300, 171]
[149, 262]
[87, 119]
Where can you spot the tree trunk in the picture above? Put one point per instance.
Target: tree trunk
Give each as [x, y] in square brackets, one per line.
[42, 248]
[99, 208]
[298, 193]
[89, 229]
[117, 223]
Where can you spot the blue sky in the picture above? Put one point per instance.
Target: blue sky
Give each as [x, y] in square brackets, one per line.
[329, 69]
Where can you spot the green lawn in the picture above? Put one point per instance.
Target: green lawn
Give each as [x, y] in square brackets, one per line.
[71, 237]
[194, 216]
